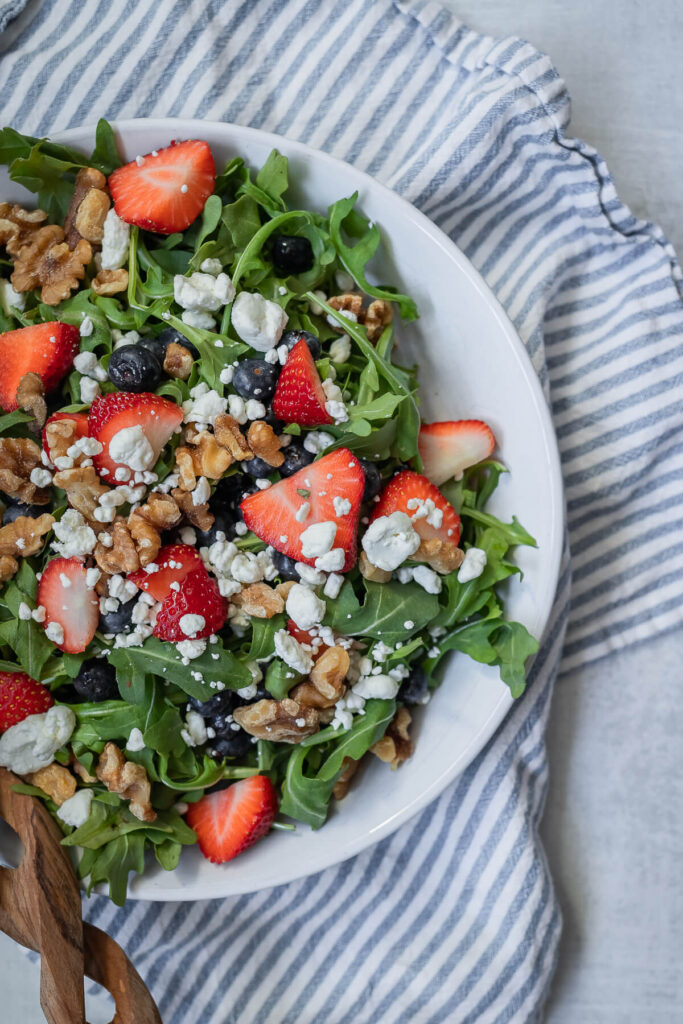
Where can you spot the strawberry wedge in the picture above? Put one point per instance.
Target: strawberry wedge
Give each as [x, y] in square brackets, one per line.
[449, 448]
[231, 820]
[148, 422]
[72, 609]
[45, 349]
[413, 494]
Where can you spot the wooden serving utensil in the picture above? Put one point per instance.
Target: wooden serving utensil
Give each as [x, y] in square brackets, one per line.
[40, 908]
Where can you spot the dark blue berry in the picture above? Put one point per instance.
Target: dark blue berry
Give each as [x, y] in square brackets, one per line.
[159, 343]
[415, 687]
[271, 419]
[286, 566]
[230, 491]
[292, 254]
[134, 368]
[220, 704]
[233, 743]
[13, 512]
[120, 620]
[296, 457]
[96, 681]
[258, 468]
[290, 339]
[223, 522]
[255, 378]
[373, 479]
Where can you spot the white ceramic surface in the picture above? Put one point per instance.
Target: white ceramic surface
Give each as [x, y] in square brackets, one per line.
[473, 365]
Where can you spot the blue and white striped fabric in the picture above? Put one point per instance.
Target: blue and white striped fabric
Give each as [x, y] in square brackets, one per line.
[452, 919]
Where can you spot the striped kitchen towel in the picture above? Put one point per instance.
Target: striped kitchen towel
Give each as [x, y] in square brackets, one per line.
[452, 919]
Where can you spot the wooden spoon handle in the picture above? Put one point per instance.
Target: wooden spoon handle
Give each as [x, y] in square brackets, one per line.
[107, 964]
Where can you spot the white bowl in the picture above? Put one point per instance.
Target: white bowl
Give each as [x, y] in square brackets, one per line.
[472, 366]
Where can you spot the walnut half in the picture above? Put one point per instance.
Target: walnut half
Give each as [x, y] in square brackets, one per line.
[283, 721]
[19, 456]
[395, 746]
[127, 779]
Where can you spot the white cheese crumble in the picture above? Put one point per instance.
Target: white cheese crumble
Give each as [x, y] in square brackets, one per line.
[316, 441]
[211, 266]
[135, 740]
[76, 810]
[131, 447]
[194, 733]
[309, 575]
[304, 606]
[201, 492]
[204, 405]
[472, 566]
[32, 743]
[334, 405]
[428, 579]
[318, 539]
[332, 561]
[292, 652]
[191, 624]
[74, 538]
[376, 687]
[8, 297]
[342, 506]
[258, 321]
[340, 350]
[198, 318]
[389, 540]
[191, 649]
[302, 512]
[204, 293]
[24, 611]
[114, 241]
[333, 585]
[40, 477]
[90, 390]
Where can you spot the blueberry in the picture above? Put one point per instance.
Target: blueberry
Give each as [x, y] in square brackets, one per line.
[296, 457]
[290, 339]
[224, 522]
[96, 681]
[286, 567]
[255, 378]
[234, 743]
[221, 703]
[230, 491]
[159, 343]
[120, 620]
[13, 512]
[271, 419]
[414, 688]
[134, 368]
[292, 254]
[373, 479]
[258, 468]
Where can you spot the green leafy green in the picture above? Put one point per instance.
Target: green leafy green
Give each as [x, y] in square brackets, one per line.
[384, 612]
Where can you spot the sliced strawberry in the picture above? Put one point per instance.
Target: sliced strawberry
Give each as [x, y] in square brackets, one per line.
[299, 396]
[409, 492]
[271, 514]
[304, 637]
[21, 696]
[79, 418]
[158, 417]
[198, 594]
[45, 349]
[175, 561]
[229, 821]
[449, 448]
[165, 190]
[69, 603]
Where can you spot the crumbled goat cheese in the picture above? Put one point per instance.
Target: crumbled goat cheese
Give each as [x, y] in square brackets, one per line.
[8, 297]
[333, 585]
[202, 491]
[318, 539]
[76, 810]
[114, 241]
[255, 410]
[379, 687]
[292, 652]
[204, 293]
[317, 441]
[334, 405]
[304, 606]
[472, 566]
[191, 624]
[40, 477]
[426, 510]
[237, 408]
[342, 506]
[211, 266]
[427, 578]
[194, 733]
[90, 390]
[309, 575]
[340, 350]
[86, 327]
[258, 321]
[332, 561]
[32, 743]
[302, 511]
[198, 318]
[389, 540]
[345, 313]
[204, 405]
[135, 740]
[316, 309]
[74, 538]
[85, 362]
[344, 281]
[24, 611]
[191, 649]
[131, 447]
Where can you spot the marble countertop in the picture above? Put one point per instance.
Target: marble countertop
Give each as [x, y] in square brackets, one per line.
[612, 828]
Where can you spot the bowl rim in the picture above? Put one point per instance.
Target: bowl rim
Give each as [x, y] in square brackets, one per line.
[193, 127]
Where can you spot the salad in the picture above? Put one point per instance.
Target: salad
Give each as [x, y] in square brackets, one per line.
[232, 556]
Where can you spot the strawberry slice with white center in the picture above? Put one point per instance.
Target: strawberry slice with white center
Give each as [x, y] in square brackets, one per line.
[174, 562]
[79, 418]
[148, 420]
[299, 396]
[193, 611]
[231, 820]
[164, 191]
[72, 609]
[45, 349]
[280, 514]
[413, 494]
[450, 447]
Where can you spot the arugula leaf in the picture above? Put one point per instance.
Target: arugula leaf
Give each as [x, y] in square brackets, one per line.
[343, 218]
[385, 612]
[513, 532]
[306, 796]
[26, 638]
[163, 660]
[11, 420]
[492, 641]
[51, 177]
[105, 156]
[280, 679]
[263, 636]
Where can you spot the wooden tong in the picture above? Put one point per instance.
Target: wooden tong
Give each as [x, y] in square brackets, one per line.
[40, 907]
